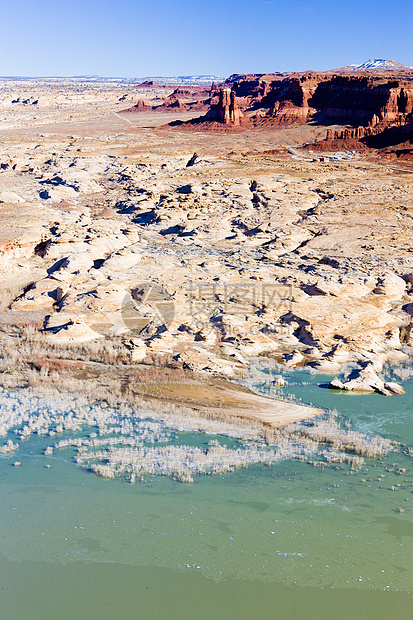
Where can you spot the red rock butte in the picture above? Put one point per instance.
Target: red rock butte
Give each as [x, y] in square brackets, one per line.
[227, 111]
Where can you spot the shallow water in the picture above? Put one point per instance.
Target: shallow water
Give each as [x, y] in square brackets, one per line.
[292, 539]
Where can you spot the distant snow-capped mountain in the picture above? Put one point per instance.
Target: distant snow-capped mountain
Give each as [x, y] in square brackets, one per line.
[379, 64]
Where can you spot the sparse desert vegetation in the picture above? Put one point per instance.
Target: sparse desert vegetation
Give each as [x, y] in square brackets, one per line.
[128, 441]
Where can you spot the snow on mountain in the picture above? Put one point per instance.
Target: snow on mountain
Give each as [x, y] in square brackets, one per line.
[379, 64]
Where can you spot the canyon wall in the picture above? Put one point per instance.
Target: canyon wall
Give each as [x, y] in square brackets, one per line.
[354, 99]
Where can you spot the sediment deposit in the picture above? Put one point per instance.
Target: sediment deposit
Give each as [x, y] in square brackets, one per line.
[124, 442]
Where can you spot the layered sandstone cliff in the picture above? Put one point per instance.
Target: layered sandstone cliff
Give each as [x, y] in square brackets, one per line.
[370, 102]
[377, 107]
[356, 99]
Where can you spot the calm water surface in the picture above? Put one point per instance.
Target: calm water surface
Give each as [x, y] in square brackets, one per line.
[289, 540]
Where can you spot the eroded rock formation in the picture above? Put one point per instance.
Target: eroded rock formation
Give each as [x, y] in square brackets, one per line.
[361, 100]
[226, 111]
[141, 106]
[378, 136]
[82, 228]
[375, 105]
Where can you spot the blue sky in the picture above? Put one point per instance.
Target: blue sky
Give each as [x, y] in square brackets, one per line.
[184, 37]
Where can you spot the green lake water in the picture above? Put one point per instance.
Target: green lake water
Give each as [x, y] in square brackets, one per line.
[290, 540]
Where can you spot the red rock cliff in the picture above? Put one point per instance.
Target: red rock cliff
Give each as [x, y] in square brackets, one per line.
[355, 99]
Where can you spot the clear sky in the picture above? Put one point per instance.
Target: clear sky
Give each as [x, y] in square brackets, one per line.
[134, 38]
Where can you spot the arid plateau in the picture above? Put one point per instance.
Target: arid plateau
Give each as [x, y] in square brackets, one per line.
[143, 251]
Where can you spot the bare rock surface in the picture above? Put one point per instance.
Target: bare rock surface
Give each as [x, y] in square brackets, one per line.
[366, 379]
[108, 234]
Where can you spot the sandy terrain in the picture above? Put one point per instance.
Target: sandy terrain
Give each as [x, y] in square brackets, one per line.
[107, 238]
